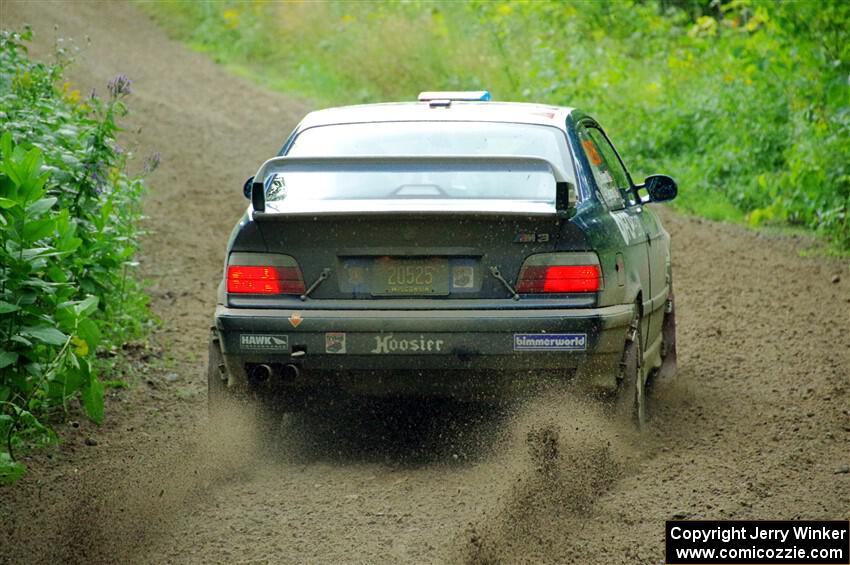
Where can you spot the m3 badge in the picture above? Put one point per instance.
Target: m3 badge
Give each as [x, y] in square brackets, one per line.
[531, 237]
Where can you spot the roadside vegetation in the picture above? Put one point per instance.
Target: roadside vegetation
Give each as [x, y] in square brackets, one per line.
[69, 231]
[745, 102]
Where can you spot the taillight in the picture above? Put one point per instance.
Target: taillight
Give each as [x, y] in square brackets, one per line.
[261, 279]
[543, 274]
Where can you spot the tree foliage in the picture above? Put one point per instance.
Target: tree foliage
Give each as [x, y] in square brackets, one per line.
[745, 102]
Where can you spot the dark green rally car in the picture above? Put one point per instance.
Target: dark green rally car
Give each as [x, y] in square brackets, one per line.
[452, 246]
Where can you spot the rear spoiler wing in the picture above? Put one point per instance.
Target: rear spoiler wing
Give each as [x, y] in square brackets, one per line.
[565, 191]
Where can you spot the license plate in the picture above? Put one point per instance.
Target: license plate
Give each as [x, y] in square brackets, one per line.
[410, 277]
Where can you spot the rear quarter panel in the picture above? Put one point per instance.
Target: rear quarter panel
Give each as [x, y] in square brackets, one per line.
[620, 243]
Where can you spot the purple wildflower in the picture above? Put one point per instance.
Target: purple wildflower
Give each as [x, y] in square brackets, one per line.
[119, 86]
[95, 175]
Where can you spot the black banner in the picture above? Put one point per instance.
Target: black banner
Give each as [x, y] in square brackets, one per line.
[768, 542]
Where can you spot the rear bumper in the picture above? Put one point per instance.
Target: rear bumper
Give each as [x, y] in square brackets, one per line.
[588, 341]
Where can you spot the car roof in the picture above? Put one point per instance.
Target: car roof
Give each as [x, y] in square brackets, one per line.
[460, 111]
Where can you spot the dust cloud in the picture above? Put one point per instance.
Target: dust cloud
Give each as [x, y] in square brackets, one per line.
[565, 453]
[114, 517]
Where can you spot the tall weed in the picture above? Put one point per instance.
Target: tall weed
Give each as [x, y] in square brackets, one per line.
[69, 231]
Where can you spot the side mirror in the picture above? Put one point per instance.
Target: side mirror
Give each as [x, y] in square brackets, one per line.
[246, 188]
[660, 188]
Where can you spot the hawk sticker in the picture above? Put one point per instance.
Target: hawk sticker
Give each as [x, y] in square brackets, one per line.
[265, 342]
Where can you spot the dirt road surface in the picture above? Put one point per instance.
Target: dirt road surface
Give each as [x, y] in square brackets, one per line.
[756, 425]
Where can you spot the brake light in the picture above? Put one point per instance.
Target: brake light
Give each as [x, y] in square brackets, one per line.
[244, 279]
[559, 279]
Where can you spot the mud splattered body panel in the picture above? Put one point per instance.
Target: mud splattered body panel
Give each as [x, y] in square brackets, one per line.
[463, 262]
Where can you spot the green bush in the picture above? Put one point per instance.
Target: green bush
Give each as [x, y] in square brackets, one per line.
[745, 102]
[69, 217]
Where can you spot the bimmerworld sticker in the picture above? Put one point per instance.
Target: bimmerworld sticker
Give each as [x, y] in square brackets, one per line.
[264, 342]
[550, 342]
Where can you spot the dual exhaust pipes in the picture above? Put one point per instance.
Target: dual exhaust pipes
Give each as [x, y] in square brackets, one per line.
[264, 372]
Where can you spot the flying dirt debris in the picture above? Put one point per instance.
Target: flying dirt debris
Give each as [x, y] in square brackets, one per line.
[753, 427]
[570, 462]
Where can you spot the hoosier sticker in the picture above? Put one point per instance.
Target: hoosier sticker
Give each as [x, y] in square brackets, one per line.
[265, 342]
[415, 344]
[550, 342]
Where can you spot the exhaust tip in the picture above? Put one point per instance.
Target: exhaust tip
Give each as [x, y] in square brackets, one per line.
[260, 373]
[290, 371]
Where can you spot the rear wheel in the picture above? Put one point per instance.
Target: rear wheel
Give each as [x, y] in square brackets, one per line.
[631, 400]
[216, 384]
[668, 339]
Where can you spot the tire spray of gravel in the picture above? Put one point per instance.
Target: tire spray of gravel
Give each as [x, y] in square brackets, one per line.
[116, 521]
[565, 452]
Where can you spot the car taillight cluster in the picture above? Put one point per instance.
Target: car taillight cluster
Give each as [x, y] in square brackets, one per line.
[244, 279]
[559, 279]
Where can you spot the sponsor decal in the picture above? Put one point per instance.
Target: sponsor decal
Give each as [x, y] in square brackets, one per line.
[463, 277]
[265, 342]
[390, 344]
[356, 275]
[335, 342]
[592, 153]
[630, 227]
[275, 187]
[550, 342]
[295, 319]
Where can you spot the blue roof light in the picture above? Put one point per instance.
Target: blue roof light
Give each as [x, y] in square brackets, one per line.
[468, 95]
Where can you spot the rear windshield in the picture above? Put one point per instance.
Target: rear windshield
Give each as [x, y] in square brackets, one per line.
[443, 182]
[412, 181]
[433, 138]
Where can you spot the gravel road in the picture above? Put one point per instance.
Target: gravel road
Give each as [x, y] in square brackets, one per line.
[755, 426]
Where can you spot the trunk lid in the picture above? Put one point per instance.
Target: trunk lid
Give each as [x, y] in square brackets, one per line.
[426, 255]
[428, 226]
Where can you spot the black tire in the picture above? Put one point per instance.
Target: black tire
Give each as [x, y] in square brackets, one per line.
[631, 397]
[669, 360]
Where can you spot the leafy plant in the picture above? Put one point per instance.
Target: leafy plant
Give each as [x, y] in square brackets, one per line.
[45, 334]
[68, 233]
